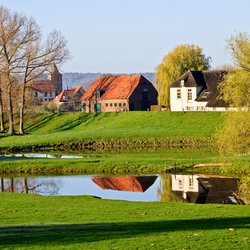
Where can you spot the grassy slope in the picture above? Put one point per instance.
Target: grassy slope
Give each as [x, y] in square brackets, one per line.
[55, 128]
[34, 222]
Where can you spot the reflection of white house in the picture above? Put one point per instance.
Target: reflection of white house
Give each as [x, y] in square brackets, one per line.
[205, 189]
[197, 91]
[186, 183]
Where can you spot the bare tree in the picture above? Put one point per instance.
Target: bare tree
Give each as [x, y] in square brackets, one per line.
[38, 60]
[22, 56]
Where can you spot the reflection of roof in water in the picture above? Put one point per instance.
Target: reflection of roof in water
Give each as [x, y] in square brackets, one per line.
[215, 190]
[125, 183]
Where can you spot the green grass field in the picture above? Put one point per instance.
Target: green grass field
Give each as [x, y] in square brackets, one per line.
[35, 222]
[155, 161]
[52, 129]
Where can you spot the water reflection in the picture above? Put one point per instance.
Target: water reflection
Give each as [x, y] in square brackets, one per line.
[37, 155]
[48, 186]
[125, 183]
[200, 189]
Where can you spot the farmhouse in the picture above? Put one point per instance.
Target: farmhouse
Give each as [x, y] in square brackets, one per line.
[70, 99]
[119, 93]
[197, 91]
[46, 90]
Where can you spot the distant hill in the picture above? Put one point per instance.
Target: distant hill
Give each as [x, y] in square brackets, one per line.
[85, 79]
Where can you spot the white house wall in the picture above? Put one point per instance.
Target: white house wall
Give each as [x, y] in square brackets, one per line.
[183, 104]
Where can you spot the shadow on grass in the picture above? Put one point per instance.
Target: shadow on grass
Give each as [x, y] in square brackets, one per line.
[80, 233]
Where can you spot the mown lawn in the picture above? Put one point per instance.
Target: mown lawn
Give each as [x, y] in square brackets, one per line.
[50, 129]
[78, 222]
[155, 161]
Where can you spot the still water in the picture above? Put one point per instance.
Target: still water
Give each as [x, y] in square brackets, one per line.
[177, 188]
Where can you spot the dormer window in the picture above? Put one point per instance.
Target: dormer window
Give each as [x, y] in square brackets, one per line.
[205, 94]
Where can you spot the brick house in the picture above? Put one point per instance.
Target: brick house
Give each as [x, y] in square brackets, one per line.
[46, 90]
[69, 99]
[119, 93]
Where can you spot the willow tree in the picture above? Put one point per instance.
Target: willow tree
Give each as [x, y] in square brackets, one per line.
[176, 63]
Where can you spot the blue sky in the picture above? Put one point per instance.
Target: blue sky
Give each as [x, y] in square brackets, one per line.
[130, 36]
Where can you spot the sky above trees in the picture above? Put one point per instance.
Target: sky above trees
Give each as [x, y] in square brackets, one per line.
[128, 36]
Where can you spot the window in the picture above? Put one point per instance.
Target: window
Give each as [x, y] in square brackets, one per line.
[144, 94]
[189, 94]
[205, 94]
[36, 94]
[178, 94]
[120, 104]
[115, 104]
[111, 105]
[124, 104]
[191, 182]
[180, 183]
[107, 104]
[45, 94]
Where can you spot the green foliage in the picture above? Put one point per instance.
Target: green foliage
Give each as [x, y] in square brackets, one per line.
[235, 87]
[243, 192]
[176, 63]
[234, 137]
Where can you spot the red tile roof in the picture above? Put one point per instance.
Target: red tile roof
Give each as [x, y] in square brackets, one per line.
[42, 86]
[67, 93]
[115, 87]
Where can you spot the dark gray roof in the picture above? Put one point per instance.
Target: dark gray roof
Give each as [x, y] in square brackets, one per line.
[208, 80]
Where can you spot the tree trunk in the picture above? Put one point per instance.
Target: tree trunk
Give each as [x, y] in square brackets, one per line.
[12, 185]
[26, 188]
[2, 184]
[10, 111]
[21, 122]
[2, 129]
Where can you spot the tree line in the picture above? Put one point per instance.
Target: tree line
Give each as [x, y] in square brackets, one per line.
[24, 56]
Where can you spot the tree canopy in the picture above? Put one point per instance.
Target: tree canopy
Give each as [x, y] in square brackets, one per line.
[176, 63]
[235, 87]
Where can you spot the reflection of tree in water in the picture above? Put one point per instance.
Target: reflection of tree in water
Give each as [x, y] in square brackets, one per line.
[243, 192]
[165, 190]
[45, 186]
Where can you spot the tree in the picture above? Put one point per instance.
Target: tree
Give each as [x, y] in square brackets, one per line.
[176, 63]
[234, 89]
[15, 32]
[38, 60]
[22, 56]
[234, 137]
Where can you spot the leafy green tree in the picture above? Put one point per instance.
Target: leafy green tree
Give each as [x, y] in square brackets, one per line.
[176, 63]
[235, 87]
[234, 137]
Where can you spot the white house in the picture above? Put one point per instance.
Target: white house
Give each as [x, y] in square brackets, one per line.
[197, 91]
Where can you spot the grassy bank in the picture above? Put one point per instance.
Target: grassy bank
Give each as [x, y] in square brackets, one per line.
[35, 222]
[136, 162]
[107, 130]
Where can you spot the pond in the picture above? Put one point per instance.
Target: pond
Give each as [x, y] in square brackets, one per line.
[197, 188]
